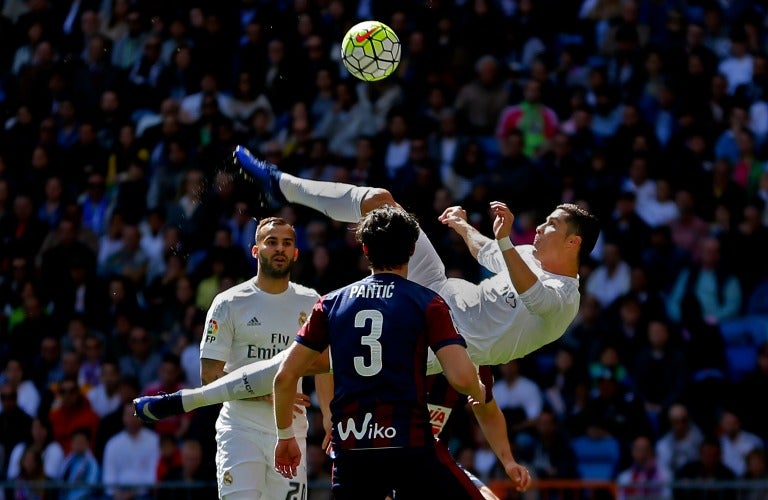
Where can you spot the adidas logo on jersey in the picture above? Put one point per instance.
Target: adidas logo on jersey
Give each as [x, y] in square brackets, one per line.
[254, 321]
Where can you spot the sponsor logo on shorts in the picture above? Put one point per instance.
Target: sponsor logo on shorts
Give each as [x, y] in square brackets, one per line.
[227, 479]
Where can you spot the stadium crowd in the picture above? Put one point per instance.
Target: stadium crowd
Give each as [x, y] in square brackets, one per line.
[121, 216]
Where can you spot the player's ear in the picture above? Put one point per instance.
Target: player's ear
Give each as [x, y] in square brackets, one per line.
[365, 249]
[295, 254]
[574, 241]
[255, 251]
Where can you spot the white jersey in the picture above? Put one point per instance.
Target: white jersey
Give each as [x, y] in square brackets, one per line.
[498, 323]
[245, 324]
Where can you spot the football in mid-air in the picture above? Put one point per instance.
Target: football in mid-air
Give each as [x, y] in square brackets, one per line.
[370, 51]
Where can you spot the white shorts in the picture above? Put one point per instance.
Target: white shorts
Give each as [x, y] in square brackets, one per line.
[245, 462]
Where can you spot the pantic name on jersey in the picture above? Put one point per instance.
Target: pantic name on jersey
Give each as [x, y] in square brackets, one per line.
[372, 291]
[368, 429]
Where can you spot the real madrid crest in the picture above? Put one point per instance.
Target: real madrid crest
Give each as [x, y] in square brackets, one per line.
[227, 478]
[302, 318]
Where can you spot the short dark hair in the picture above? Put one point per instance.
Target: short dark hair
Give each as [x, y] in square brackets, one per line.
[275, 221]
[582, 223]
[389, 234]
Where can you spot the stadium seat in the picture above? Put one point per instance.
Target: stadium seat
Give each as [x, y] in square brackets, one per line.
[741, 359]
[751, 329]
[757, 303]
[598, 458]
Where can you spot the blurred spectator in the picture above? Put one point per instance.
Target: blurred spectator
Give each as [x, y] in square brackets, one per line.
[479, 102]
[141, 361]
[707, 467]
[518, 397]
[41, 439]
[347, 120]
[717, 289]
[130, 459]
[170, 456]
[129, 260]
[112, 423]
[680, 444]
[548, 449]
[190, 214]
[27, 395]
[72, 411]
[645, 477]
[104, 396]
[663, 258]
[689, 228]
[30, 481]
[743, 247]
[22, 233]
[660, 372]
[15, 424]
[611, 279]
[560, 382]
[80, 467]
[95, 204]
[618, 410]
[736, 442]
[46, 367]
[191, 470]
[661, 209]
[757, 470]
[92, 351]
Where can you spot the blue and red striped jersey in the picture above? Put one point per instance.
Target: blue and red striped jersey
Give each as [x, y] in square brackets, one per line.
[379, 330]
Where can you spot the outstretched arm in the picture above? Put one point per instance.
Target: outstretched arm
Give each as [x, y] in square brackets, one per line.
[521, 275]
[494, 428]
[456, 218]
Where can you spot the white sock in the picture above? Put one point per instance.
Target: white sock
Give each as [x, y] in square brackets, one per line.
[254, 379]
[339, 201]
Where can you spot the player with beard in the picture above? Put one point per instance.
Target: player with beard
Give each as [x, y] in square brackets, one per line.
[252, 321]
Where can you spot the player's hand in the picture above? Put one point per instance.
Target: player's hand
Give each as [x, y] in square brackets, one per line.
[326, 445]
[503, 219]
[287, 457]
[452, 216]
[302, 401]
[327, 425]
[519, 475]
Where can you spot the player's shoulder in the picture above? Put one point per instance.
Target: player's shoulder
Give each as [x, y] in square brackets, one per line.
[234, 292]
[304, 291]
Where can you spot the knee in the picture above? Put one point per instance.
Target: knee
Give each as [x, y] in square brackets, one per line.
[376, 198]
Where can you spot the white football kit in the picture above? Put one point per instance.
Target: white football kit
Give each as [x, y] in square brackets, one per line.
[245, 324]
[498, 323]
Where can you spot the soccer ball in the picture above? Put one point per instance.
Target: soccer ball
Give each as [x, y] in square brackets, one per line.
[370, 51]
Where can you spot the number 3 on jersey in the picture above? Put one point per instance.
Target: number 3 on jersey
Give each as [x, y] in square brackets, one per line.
[372, 320]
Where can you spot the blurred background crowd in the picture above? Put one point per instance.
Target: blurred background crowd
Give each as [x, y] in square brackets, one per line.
[121, 216]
